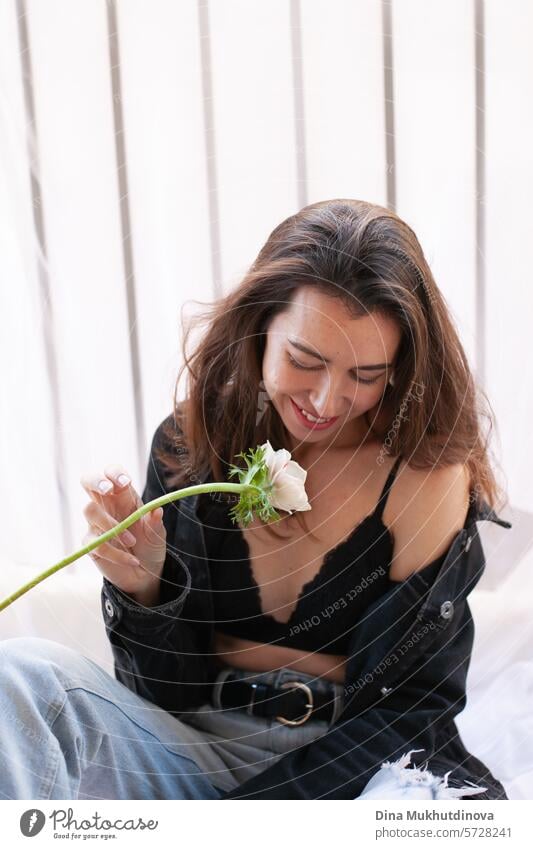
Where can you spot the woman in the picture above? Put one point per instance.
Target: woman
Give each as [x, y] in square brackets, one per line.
[312, 657]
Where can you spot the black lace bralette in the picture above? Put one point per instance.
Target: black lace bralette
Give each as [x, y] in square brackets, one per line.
[352, 575]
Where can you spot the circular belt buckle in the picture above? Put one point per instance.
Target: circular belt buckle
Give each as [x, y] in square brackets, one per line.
[309, 706]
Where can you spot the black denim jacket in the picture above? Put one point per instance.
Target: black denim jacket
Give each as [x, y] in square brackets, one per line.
[405, 677]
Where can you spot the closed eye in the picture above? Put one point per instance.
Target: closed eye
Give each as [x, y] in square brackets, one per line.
[296, 364]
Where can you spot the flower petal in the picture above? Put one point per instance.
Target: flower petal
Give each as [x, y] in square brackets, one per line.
[287, 478]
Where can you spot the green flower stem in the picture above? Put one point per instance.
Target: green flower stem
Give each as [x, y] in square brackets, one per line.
[134, 517]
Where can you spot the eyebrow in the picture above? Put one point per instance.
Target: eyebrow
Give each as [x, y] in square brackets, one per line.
[312, 353]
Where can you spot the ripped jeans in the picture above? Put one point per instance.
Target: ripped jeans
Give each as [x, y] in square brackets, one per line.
[69, 730]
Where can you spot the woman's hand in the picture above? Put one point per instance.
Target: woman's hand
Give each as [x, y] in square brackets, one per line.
[133, 560]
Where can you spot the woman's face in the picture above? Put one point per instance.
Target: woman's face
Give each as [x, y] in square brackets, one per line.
[345, 375]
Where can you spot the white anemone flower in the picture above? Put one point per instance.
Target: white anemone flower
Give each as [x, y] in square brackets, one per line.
[288, 480]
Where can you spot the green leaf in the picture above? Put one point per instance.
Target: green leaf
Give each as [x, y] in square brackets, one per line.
[258, 500]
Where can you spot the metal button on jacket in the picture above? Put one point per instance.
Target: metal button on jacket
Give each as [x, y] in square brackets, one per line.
[110, 610]
[446, 609]
[386, 690]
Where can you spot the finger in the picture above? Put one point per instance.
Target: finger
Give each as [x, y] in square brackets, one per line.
[117, 543]
[156, 516]
[118, 475]
[101, 521]
[113, 479]
[126, 498]
[97, 484]
[110, 489]
[108, 553]
[154, 529]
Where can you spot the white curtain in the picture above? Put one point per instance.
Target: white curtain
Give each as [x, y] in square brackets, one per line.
[147, 150]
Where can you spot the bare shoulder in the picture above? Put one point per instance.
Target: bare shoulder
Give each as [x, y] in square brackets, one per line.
[425, 511]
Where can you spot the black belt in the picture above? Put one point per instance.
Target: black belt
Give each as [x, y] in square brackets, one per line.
[293, 703]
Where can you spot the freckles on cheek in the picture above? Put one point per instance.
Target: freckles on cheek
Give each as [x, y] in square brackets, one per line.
[283, 381]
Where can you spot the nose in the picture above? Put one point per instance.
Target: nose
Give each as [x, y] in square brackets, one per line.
[326, 400]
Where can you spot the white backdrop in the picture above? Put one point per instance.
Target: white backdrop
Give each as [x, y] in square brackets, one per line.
[147, 149]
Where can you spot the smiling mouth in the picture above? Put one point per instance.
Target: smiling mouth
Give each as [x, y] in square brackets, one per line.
[311, 418]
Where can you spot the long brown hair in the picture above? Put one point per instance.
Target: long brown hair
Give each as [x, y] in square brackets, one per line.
[368, 257]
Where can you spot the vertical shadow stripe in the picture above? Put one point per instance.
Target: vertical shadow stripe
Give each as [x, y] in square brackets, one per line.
[388, 87]
[210, 146]
[480, 295]
[47, 317]
[298, 103]
[125, 223]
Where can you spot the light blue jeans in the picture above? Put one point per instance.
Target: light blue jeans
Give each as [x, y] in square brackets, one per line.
[69, 730]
